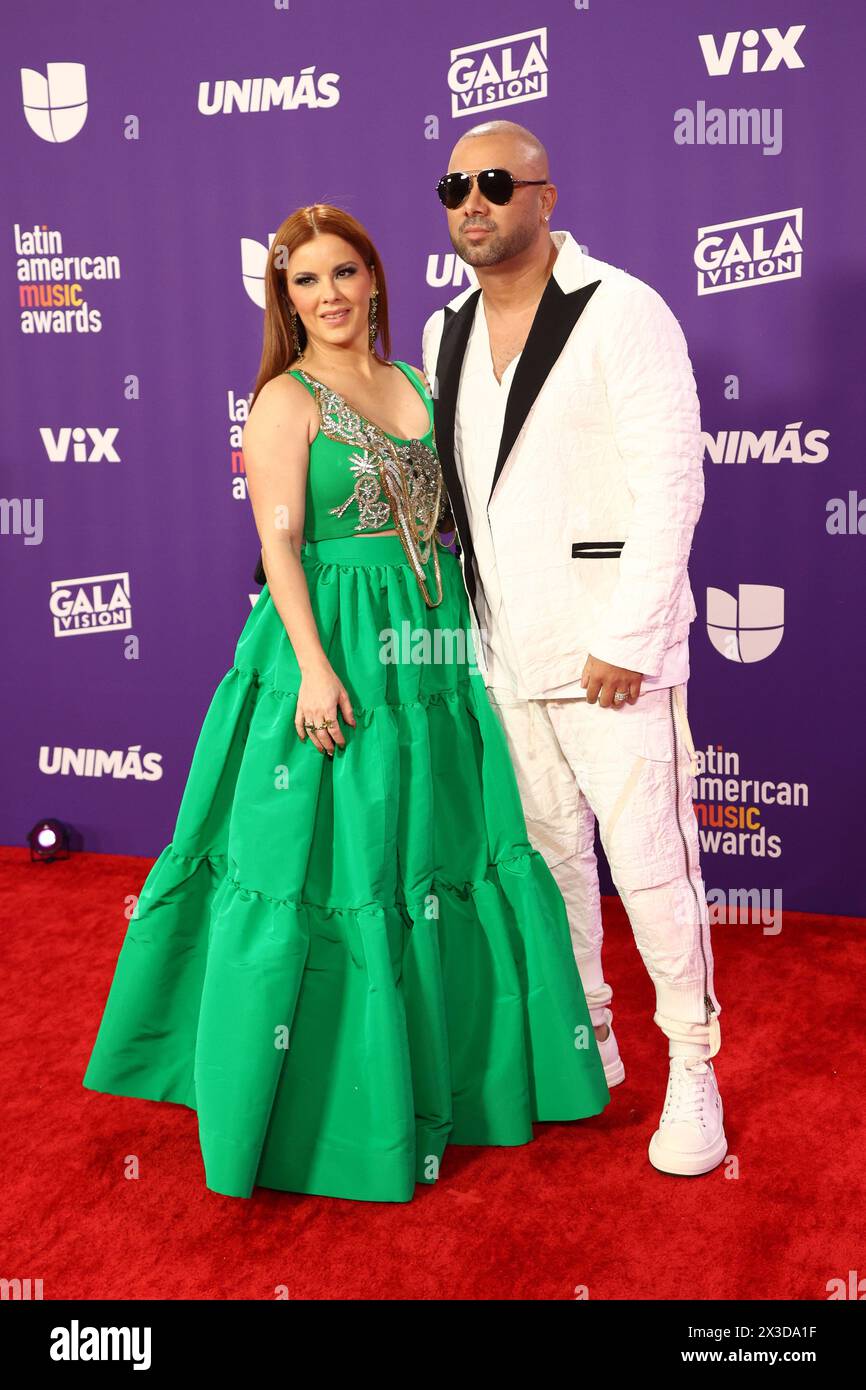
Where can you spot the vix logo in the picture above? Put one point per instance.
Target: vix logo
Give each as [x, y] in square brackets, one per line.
[55, 106]
[750, 627]
[783, 49]
[101, 448]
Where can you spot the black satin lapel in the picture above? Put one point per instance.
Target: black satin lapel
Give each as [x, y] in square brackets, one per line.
[449, 363]
[555, 317]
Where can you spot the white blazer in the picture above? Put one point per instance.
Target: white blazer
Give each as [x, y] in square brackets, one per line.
[598, 481]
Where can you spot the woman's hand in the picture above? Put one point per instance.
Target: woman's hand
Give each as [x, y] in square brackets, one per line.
[319, 697]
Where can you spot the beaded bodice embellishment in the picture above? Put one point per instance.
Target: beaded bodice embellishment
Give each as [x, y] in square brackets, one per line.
[373, 512]
[398, 484]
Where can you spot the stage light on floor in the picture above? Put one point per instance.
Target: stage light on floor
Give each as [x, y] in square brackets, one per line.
[48, 840]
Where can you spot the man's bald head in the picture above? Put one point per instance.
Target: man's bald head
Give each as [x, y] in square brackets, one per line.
[518, 146]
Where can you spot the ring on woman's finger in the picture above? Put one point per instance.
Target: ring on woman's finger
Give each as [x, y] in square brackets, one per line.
[620, 696]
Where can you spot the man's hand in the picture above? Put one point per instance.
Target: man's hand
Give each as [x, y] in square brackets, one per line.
[601, 681]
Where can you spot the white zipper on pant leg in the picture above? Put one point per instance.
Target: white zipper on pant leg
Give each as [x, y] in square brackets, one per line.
[680, 710]
[711, 1020]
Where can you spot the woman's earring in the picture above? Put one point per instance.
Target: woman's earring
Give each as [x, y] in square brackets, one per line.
[296, 342]
[374, 318]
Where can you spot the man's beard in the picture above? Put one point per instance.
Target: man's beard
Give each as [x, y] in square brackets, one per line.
[496, 248]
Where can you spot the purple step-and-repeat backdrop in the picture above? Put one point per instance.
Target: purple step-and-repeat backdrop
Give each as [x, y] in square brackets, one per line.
[152, 150]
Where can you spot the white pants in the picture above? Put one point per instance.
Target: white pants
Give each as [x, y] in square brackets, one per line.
[630, 769]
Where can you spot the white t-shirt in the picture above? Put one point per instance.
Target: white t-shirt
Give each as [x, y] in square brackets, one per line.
[480, 412]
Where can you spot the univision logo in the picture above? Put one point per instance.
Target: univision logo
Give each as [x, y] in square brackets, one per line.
[55, 105]
[254, 261]
[747, 628]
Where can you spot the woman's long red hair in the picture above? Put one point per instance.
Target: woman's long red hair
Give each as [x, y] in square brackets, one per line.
[278, 351]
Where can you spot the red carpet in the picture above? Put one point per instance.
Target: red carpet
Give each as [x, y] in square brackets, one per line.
[580, 1207]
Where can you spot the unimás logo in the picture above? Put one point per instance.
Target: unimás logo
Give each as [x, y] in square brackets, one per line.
[98, 603]
[448, 270]
[749, 627]
[55, 103]
[119, 763]
[750, 251]
[498, 72]
[759, 50]
[789, 445]
[81, 443]
[257, 94]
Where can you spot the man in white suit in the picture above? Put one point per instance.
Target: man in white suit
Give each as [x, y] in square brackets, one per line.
[568, 427]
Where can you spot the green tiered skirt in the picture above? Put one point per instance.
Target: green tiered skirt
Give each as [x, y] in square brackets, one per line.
[345, 965]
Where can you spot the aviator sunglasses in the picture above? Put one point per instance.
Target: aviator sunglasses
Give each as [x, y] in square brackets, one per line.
[495, 185]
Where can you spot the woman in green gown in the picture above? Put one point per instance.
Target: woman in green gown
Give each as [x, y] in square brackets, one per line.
[349, 955]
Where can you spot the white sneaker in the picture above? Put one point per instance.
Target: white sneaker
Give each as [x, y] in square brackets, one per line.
[690, 1138]
[614, 1069]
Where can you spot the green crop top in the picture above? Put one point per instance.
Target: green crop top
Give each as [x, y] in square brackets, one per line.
[344, 492]
[359, 476]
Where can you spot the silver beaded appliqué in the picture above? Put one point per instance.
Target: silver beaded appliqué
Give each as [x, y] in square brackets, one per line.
[408, 474]
[373, 511]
